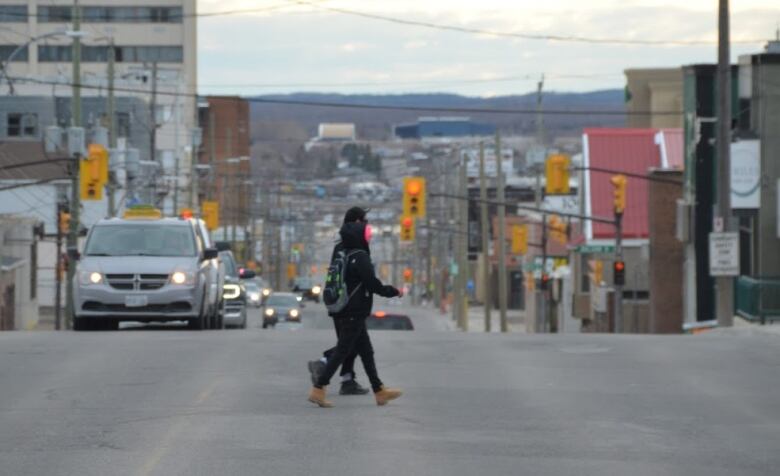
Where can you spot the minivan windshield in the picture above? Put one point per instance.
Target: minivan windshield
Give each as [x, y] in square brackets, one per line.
[141, 240]
[282, 300]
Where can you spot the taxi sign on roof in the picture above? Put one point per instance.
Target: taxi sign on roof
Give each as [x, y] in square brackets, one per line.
[143, 211]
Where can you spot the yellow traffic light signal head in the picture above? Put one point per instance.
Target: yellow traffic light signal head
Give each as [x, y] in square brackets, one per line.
[619, 182]
[557, 175]
[558, 230]
[407, 228]
[520, 239]
[414, 196]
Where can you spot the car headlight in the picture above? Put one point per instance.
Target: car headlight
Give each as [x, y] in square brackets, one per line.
[90, 277]
[299, 298]
[254, 296]
[269, 312]
[294, 313]
[316, 290]
[231, 291]
[266, 292]
[180, 277]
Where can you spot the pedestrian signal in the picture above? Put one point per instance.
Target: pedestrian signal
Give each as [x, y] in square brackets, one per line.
[414, 197]
[408, 275]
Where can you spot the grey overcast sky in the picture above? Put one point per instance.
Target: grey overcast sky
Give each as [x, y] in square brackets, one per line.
[296, 46]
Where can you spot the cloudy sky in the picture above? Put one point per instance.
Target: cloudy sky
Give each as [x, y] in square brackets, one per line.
[308, 46]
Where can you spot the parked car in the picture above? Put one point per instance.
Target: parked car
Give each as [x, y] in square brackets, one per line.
[234, 291]
[146, 268]
[281, 307]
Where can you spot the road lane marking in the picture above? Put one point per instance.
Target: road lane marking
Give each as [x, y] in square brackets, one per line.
[174, 431]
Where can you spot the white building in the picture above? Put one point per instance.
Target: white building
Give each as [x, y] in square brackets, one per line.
[147, 35]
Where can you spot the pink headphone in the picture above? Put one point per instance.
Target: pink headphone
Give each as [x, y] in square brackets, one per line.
[368, 233]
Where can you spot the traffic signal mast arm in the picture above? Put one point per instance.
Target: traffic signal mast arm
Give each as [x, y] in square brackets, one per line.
[542, 211]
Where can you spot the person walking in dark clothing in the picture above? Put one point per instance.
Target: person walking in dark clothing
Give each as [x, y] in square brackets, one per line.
[352, 333]
[349, 383]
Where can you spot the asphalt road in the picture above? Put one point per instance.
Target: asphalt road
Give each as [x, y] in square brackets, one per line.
[178, 402]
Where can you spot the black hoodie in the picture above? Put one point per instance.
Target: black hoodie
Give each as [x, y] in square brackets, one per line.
[360, 272]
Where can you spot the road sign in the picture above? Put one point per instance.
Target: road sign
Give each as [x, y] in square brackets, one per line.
[724, 254]
[595, 249]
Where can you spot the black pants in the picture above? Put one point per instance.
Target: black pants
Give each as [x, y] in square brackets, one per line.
[348, 367]
[353, 338]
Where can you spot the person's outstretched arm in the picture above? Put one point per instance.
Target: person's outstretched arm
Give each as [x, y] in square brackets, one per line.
[367, 276]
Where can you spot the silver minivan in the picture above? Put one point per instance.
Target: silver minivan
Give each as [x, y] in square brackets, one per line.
[147, 270]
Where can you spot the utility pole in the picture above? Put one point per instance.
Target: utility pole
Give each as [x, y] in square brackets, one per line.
[618, 257]
[539, 112]
[463, 259]
[111, 187]
[543, 318]
[176, 152]
[724, 284]
[75, 201]
[153, 132]
[502, 285]
[485, 237]
[58, 269]
[212, 159]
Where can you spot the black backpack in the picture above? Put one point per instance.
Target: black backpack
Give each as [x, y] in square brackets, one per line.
[335, 295]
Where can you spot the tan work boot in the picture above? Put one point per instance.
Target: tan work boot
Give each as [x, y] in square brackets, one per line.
[317, 397]
[386, 394]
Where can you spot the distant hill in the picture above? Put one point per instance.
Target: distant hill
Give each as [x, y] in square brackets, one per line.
[377, 124]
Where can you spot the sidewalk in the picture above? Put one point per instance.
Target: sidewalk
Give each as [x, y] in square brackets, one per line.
[743, 327]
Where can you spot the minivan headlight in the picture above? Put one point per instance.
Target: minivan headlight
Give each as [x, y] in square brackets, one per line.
[231, 291]
[90, 277]
[269, 312]
[316, 290]
[180, 277]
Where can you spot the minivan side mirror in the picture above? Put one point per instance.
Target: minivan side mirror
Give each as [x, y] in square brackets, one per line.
[210, 253]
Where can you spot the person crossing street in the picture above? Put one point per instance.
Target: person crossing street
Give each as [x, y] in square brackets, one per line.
[361, 284]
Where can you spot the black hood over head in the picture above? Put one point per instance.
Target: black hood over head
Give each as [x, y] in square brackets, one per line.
[353, 236]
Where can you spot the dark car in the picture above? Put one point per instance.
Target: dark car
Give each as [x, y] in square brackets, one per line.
[382, 321]
[307, 289]
[281, 307]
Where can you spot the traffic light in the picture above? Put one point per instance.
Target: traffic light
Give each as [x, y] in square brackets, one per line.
[414, 197]
[520, 239]
[619, 273]
[210, 212]
[544, 281]
[558, 230]
[596, 271]
[407, 228]
[63, 222]
[619, 182]
[408, 275]
[557, 175]
[93, 171]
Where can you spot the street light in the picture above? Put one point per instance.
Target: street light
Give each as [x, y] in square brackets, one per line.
[5, 64]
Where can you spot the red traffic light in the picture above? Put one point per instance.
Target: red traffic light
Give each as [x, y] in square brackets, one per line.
[620, 266]
[407, 222]
[413, 187]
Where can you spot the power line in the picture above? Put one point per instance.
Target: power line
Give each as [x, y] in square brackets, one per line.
[386, 107]
[524, 36]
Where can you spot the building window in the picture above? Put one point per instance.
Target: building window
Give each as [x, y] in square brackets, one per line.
[124, 54]
[13, 13]
[122, 124]
[22, 125]
[7, 50]
[96, 14]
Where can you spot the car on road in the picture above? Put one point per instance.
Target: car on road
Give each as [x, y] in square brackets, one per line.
[265, 288]
[253, 293]
[382, 321]
[281, 307]
[234, 290]
[145, 268]
[307, 288]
